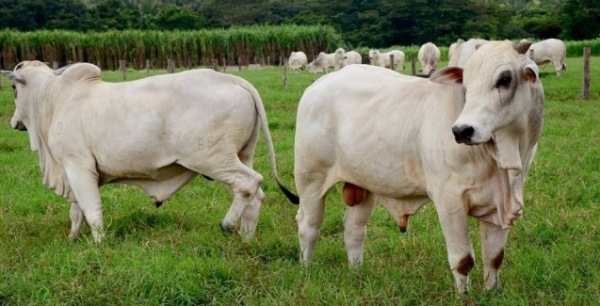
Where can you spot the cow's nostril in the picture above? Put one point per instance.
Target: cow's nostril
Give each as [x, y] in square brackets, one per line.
[463, 133]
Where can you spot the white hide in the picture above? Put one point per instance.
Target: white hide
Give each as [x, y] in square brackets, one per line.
[324, 61]
[464, 51]
[383, 59]
[297, 61]
[550, 51]
[157, 133]
[429, 56]
[392, 135]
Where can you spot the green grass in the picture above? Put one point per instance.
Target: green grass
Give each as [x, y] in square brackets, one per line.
[177, 254]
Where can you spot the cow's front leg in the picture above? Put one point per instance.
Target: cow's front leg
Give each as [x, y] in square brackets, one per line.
[355, 228]
[461, 257]
[76, 220]
[493, 241]
[84, 184]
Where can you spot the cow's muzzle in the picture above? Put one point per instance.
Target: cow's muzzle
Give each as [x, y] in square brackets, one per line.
[463, 134]
[20, 126]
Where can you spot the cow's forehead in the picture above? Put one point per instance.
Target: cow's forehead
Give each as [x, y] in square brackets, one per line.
[488, 58]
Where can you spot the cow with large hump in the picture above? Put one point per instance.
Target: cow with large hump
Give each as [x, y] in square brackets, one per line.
[157, 133]
[429, 56]
[464, 50]
[463, 139]
[549, 51]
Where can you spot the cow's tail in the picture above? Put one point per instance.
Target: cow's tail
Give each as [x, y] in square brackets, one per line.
[262, 114]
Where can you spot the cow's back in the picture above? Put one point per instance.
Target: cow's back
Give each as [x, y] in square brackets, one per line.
[189, 113]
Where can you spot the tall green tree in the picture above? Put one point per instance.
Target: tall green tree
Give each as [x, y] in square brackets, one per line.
[581, 19]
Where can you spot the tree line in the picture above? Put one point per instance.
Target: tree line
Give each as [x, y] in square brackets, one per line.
[373, 23]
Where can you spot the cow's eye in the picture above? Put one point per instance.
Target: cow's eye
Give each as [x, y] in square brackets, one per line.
[503, 82]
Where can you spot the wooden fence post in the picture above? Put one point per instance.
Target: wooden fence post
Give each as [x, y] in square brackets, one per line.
[392, 62]
[147, 67]
[285, 72]
[586, 72]
[54, 65]
[170, 66]
[413, 65]
[239, 63]
[224, 64]
[123, 68]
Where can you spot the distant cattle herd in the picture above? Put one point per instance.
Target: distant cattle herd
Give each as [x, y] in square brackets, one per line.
[463, 139]
[543, 52]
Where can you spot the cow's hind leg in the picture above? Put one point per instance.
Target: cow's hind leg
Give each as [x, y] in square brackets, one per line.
[310, 213]
[84, 184]
[355, 228]
[252, 212]
[76, 220]
[493, 241]
[242, 180]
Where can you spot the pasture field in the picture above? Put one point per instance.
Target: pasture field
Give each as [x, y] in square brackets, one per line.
[178, 255]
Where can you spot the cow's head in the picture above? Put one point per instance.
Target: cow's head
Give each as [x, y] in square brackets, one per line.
[498, 80]
[22, 78]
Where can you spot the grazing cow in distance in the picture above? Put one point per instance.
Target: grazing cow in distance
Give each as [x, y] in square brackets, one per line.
[429, 56]
[463, 139]
[383, 59]
[324, 61]
[297, 61]
[463, 51]
[550, 51]
[157, 133]
[351, 58]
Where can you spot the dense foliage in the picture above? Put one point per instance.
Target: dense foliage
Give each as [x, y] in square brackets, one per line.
[374, 23]
[234, 46]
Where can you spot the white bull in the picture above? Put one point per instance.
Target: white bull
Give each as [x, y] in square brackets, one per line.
[383, 59]
[465, 144]
[464, 51]
[297, 61]
[352, 58]
[453, 47]
[324, 61]
[429, 56]
[157, 133]
[549, 51]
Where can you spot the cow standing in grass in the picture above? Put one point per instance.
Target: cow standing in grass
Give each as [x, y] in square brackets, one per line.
[157, 133]
[464, 139]
[549, 51]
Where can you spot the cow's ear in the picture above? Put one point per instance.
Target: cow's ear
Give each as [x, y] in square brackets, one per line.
[522, 46]
[13, 76]
[448, 76]
[531, 72]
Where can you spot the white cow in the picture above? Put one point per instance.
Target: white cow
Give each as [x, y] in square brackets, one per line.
[351, 58]
[383, 59]
[157, 133]
[297, 61]
[324, 61]
[429, 56]
[464, 51]
[464, 139]
[453, 47]
[550, 50]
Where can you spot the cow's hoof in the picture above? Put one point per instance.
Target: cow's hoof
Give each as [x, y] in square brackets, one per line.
[230, 228]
